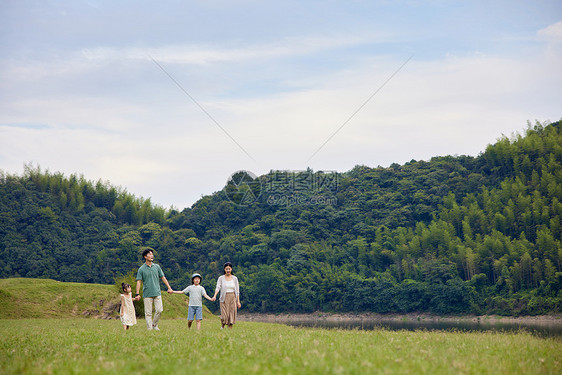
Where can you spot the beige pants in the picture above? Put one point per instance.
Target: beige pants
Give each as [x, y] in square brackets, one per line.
[152, 322]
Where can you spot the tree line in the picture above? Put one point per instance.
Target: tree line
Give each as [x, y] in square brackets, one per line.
[455, 234]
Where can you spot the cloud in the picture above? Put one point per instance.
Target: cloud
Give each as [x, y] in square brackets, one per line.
[164, 147]
[429, 108]
[551, 34]
[104, 109]
[197, 54]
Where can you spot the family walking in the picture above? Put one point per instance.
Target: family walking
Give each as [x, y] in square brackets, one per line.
[149, 276]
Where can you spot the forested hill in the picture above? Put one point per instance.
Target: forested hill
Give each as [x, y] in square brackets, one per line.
[455, 234]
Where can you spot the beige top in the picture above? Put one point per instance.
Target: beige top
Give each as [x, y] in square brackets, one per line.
[221, 286]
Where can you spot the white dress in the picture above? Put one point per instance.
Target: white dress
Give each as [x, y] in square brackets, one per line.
[129, 317]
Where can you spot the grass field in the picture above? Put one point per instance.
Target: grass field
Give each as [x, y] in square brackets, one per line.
[85, 346]
[44, 331]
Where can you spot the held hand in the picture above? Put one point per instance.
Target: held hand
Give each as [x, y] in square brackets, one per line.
[214, 299]
[170, 290]
[137, 298]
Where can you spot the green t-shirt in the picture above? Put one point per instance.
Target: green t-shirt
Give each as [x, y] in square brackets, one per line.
[150, 277]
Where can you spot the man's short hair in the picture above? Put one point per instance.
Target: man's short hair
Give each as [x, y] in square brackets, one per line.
[146, 251]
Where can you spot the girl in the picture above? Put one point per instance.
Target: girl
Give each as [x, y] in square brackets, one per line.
[127, 311]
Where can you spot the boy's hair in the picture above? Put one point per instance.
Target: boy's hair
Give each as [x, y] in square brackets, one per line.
[146, 251]
[124, 286]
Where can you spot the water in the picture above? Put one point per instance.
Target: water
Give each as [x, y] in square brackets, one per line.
[541, 329]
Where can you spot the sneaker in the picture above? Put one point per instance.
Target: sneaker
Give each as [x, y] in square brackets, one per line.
[156, 328]
[149, 328]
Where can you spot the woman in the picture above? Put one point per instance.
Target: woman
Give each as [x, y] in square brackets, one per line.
[229, 298]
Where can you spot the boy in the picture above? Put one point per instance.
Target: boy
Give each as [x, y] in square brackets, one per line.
[195, 307]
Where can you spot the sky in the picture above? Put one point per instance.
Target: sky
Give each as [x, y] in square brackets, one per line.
[168, 99]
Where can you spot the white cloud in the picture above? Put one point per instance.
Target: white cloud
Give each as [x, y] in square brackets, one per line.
[198, 54]
[174, 153]
[552, 33]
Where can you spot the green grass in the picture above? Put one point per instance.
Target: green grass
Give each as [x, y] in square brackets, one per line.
[52, 337]
[44, 298]
[85, 346]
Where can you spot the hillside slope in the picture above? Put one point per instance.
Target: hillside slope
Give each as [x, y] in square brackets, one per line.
[44, 298]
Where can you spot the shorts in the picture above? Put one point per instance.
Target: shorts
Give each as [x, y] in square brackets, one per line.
[195, 310]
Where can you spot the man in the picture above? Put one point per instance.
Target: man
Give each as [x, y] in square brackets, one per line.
[148, 275]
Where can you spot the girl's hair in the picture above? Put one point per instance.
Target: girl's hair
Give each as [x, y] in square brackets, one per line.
[124, 286]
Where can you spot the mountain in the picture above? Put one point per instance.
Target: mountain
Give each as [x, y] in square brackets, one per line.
[455, 234]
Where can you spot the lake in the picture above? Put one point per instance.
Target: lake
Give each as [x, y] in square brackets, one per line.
[541, 329]
[548, 327]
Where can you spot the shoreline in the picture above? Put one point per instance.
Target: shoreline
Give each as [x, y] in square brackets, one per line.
[554, 319]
